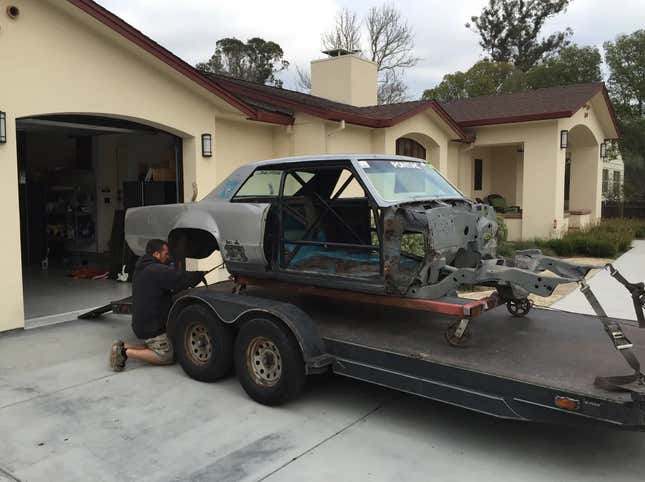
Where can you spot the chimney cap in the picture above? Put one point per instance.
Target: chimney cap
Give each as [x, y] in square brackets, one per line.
[339, 52]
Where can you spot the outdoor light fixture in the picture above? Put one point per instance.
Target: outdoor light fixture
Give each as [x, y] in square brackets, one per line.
[3, 127]
[207, 145]
[603, 150]
[564, 139]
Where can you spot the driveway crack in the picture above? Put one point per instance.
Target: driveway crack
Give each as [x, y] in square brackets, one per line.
[327, 439]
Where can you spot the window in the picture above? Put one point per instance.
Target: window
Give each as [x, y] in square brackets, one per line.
[605, 181]
[327, 224]
[407, 180]
[616, 187]
[262, 183]
[479, 174]
[410, 148]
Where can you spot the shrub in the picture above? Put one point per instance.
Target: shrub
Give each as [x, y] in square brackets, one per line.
[502, 229]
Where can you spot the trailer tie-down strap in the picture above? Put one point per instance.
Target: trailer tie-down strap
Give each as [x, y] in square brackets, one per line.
[620, 342]
[636, 290]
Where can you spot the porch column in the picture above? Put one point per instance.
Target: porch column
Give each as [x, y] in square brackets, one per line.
[443, 159]
[586, 180]
[542, 184]
[11, 302]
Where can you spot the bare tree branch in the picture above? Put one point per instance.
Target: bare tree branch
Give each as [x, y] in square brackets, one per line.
[303, 80]
[391, 39]
[346, 33]
[391, 88]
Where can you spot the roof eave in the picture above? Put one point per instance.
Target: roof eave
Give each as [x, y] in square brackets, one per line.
[121, 27]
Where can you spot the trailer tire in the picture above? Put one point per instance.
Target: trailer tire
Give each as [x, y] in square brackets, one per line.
[268, 362]
[203, 344]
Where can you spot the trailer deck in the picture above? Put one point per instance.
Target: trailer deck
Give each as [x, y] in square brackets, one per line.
[512, 368]
[516, 368]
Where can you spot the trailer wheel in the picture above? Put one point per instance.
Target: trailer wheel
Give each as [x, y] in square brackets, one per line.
[268, 362]
[203, 344]
[519, 308]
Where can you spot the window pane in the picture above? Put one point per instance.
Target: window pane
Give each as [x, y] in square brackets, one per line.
[406, 180]
[261, 183]
[479, 174]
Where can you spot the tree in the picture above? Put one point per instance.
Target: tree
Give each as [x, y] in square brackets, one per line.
[256, 60]
[625, 57]
[509, 30]
[483, 78]
[572, 65]
[390, 44]
[390, 39]
[346, 33]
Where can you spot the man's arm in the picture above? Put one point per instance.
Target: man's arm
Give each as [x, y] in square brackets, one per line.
[176, 281]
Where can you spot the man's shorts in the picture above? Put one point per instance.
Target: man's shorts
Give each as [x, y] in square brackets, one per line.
[162, 346]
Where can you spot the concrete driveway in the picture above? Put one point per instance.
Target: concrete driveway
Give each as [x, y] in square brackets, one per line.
[65, 416]
[612, 295]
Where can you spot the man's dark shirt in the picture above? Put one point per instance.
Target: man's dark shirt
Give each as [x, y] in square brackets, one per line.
[152, 288]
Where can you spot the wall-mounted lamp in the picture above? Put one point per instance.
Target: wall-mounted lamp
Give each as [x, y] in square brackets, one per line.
[603, 151]
[3, 127]
[207, 145]
[564, 139]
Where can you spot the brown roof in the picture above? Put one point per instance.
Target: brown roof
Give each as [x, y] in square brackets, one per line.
[538, 104]
[275, 105]
[288, 102]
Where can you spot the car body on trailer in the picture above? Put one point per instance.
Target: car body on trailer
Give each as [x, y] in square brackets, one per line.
[388, 240]
[385, 225]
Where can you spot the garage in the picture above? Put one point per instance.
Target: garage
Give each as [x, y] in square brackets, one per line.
[77, 175]
[96, 118]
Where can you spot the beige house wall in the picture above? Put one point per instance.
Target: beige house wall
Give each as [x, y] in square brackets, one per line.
[55, 59]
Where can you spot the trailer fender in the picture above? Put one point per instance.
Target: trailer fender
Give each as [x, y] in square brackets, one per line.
[235, 309]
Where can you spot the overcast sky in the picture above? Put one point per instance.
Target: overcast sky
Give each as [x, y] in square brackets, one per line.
[190, 28]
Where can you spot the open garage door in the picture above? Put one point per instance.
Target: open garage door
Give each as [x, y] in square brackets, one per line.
[77, 176]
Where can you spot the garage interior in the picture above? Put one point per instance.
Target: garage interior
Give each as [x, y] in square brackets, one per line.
[77, 176]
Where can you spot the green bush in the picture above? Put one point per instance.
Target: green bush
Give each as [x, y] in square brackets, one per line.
[502, 230]
[606, 239]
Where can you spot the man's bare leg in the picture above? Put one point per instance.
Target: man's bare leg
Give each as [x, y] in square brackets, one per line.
[144, 354]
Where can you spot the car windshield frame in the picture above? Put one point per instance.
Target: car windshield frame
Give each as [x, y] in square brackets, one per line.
[362, 166]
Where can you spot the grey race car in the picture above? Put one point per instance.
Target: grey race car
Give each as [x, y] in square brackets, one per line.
[386, 225]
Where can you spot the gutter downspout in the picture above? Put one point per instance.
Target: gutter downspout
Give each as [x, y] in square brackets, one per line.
[341, 127]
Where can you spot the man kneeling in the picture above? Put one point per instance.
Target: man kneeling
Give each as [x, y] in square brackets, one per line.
[153, 285]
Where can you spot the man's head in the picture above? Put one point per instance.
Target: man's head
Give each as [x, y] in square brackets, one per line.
[158, 249]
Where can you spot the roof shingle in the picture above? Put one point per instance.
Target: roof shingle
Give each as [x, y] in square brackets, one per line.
[546, 103]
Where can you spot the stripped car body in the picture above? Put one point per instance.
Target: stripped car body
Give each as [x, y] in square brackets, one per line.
[349, 222]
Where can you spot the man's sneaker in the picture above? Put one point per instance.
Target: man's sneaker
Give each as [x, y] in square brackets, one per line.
[118, 356]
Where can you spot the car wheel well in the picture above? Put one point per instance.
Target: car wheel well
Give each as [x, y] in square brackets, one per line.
[192, 243]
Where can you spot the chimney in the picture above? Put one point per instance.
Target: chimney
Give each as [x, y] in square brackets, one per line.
[344, 76]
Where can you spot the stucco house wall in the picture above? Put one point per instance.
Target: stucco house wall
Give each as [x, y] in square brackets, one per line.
[76, 65]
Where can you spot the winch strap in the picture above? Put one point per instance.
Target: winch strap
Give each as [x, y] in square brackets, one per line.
[636, 290]
[620, 342]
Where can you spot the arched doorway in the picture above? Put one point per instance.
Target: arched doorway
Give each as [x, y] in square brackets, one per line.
[418, 145]
[582, 182]
[78, 173]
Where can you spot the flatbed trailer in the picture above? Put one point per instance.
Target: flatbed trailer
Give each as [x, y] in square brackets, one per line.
[540, 367]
